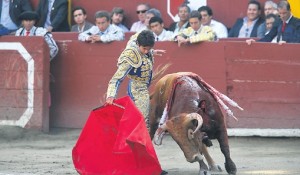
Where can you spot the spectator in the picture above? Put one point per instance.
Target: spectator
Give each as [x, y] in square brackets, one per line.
[289, 29]
[103, 31]
[53, 15]
[196, 32]
[151, 13]
[247, 27]
[29, 19]
[3, 30]
[10, 12]
[270, 23]
[206, 20]
[117, 18]
[79, 16]
[270, 8]
[183, 14]
[157, 27]
[141, 12]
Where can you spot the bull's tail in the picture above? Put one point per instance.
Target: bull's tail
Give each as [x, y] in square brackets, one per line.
[220, 98]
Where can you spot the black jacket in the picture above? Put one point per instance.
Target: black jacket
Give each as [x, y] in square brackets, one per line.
[59, 14]
[291, 34]
[16, 7]
[173, 26]
[235, 30]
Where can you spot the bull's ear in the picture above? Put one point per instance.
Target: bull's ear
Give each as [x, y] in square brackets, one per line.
[202, 105]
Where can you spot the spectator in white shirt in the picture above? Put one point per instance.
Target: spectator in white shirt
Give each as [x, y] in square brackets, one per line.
[183, 23]
[103, 31]
[151, 13]
[207, 15]
[157, 27]
[141, 12]
[117, 18]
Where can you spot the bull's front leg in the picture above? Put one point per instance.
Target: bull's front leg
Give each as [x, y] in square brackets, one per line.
[223, 141]
[203, 167]
[211, 163]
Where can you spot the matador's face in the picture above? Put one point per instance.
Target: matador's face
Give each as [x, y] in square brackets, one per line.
[144, 49]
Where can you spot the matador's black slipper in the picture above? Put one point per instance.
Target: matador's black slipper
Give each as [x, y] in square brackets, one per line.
[163, 172]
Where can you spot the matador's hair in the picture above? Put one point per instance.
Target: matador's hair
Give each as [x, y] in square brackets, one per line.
[146, 38]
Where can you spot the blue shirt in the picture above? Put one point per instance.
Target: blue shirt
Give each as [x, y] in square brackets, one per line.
[6, 21]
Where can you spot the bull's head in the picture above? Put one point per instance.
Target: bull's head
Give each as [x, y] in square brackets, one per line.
[184, 129]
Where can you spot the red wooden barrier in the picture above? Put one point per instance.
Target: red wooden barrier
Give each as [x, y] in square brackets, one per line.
[24, 82]
[262, 78]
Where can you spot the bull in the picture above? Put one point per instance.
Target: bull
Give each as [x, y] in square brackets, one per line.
[188, 108]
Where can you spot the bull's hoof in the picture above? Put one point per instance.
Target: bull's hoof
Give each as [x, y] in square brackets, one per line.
[215, 168]
[230, 168]
[204, 172]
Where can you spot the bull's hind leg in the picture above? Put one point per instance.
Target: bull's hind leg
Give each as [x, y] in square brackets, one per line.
[224, 145]
[211, 163]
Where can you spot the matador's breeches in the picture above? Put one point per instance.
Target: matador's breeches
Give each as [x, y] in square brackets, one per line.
[140, 95]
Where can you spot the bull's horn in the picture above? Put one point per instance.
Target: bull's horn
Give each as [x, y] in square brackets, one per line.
[158, 136]
[198, 118]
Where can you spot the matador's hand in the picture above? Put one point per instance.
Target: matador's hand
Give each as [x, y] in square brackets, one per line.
[158, 52]
[110, 100]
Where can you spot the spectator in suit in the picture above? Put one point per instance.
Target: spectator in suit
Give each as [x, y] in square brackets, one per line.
[103, 31]
[196, 32]
[141, 12]
[157, 27]
[153, 12]
[10, 12]
[183, 14]
[29, 19]
[3, 30]
[53, 15]
[270, 8]
[79, 16]
[247, 27]
[207, 15]
[289, 29]
[270, 22]
[117, 18]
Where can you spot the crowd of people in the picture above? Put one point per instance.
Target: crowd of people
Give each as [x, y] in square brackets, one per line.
[109, 26]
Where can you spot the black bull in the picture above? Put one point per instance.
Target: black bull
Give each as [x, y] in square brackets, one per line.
[179, 95]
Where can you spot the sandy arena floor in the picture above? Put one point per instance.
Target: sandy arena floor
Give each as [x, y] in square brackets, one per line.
[35, 153]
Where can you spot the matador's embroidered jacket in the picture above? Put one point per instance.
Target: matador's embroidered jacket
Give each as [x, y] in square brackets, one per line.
[138, 68]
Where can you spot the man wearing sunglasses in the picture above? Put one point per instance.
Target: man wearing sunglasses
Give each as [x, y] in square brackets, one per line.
[141, 12]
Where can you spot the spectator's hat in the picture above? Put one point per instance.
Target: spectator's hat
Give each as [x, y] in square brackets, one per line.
[29, 15]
